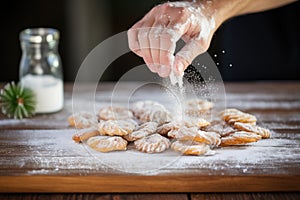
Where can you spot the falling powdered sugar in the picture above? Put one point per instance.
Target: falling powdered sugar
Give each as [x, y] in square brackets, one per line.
[175, 78]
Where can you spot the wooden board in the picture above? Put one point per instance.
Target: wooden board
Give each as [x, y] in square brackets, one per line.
[37, 154]
[147, 196]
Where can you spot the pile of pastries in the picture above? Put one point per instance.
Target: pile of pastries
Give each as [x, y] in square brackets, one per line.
[153, 129]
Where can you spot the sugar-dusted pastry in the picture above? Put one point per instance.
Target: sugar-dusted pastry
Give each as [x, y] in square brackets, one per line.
[220, 127]
[84, 134]
[175, 125]
[143, 130]
[191, 148]
[154, 143]
[172, 133]
[83, 120]
[107, 143]
[196, 122]
[197, 107]
[239, 138]
[193, 134]
[116, 127]
[151, 111]
[263, 132]
[114, 113]
[233, 115]
[164, 129]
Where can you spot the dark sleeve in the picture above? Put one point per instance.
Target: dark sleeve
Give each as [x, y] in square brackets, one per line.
[261, 46]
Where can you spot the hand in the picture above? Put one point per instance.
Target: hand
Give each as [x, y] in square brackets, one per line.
[154, 37]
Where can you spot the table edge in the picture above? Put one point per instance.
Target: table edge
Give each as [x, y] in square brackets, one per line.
[174, 183]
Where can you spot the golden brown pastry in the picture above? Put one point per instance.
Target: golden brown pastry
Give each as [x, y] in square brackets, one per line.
[154, 143]
[143, 130]
[175, 125]
[233, 115]
[220, 127]
[84, 134]
[239, 138]
[151, 111]
[83, 120]
[263, 132]
[193, 134]
[107, 143]
[114, 113]
[116, 127]
[191, 148]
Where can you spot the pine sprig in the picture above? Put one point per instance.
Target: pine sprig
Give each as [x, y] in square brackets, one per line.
[17, 101]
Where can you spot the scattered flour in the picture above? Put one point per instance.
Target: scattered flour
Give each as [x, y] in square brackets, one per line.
[54, 152]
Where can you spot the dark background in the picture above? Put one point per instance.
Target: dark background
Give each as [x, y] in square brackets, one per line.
[262, 46]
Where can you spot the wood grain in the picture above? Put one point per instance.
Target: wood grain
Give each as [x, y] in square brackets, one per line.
[174, 183]
[147, 196]
[95, 196]
[247, 196]
[38, 155]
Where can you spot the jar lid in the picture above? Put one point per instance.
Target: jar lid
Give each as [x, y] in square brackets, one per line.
[39, 35]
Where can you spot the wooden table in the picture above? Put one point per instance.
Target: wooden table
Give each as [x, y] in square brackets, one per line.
[38, 155]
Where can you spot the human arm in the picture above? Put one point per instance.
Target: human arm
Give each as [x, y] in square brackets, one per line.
[154, 37]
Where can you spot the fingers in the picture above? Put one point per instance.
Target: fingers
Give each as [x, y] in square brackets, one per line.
[168, 39]
[156, 45]
[162, 46]
[145, 45]
[154, 38]
[133, 42]
[187, 54]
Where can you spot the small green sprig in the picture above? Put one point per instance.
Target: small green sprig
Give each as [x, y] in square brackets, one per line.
[17, 101]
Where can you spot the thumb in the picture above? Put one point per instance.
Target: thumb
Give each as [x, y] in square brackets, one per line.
[187, 54]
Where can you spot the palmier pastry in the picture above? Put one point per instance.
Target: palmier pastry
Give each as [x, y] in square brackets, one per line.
[107, 143]
[154, 143]
[83, 120]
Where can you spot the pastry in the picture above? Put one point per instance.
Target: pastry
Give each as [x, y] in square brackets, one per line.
[116, 127]
[83, 120]
[263, 132]
[142, 131]
[220, 127]
[154, 143]
[193, 134]
[197, 107]
[114, 113]
[175, 125]
[149, 125]
[239, 138]
[233, 115]
[151, 111]
[107, 143]
[84, 134]
[191, 148]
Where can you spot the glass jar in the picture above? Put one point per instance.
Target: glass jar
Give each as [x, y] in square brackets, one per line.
[40, 68]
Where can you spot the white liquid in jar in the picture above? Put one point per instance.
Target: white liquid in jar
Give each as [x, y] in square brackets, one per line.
[48, 91]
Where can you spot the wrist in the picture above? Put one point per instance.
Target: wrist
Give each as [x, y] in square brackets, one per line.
[222, 10]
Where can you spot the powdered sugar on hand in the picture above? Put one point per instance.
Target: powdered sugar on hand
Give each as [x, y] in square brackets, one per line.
[196, 18]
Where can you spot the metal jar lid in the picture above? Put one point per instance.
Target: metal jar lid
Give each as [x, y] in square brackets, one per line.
[39, 35]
